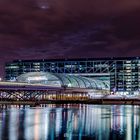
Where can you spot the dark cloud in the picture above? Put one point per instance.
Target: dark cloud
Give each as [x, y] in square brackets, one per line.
[31, 29]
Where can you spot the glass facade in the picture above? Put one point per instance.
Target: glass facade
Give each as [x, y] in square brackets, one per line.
[55, 79]
[122, 74]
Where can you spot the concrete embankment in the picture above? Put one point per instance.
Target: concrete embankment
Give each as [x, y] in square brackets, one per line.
[90, 101]
[95, 101]
[17, 102]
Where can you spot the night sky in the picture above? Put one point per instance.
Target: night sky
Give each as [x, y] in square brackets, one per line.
[34, 29]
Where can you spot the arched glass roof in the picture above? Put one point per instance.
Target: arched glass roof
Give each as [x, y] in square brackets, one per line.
[57, 79]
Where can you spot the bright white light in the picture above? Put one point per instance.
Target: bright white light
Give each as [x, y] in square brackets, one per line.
[37, 78]
[69, 85]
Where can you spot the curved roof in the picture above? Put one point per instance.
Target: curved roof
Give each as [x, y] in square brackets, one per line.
[57, 79]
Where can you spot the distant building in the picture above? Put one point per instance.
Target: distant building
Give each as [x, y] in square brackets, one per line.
[123, 74]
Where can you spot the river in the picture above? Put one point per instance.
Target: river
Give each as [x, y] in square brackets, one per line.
[70, 122]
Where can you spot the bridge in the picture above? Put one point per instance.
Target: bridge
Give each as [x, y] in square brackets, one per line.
[15, 91]
[36, 94]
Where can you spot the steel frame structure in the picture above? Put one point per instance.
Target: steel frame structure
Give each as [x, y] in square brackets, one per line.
[26, 95]
[19, 93]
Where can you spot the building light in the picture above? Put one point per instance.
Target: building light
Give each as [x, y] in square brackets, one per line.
[37, 78]
[12, 67]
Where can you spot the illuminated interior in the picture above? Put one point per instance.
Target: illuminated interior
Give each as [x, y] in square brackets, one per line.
[57, 79]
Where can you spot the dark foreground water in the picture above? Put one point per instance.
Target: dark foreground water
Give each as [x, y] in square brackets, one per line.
[70, 122]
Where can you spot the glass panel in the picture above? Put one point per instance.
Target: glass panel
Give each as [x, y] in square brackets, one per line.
[81, 81]
[74, 83]
[55, 79]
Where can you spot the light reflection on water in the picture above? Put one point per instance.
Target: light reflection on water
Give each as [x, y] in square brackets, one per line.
[70, 122]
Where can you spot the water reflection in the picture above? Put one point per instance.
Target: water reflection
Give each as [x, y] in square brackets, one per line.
[70, 122]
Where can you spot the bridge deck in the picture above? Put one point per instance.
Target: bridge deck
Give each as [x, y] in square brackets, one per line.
[24, 91]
